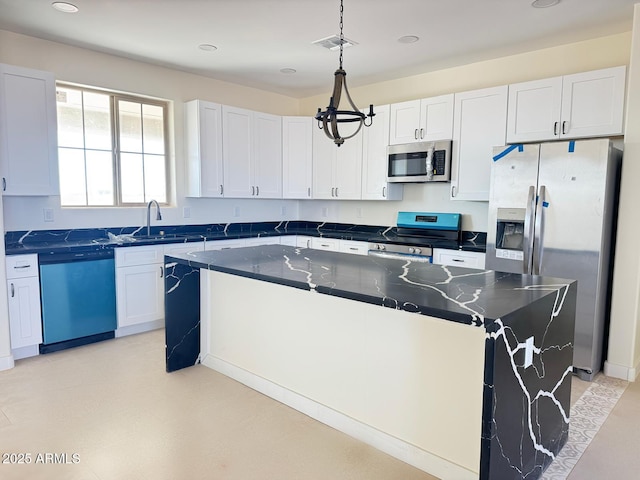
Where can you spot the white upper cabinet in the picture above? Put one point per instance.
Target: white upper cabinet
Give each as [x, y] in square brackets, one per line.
[297, 157]
[337, 171]
[422, 120]
[28, 132]
[589, 104]
[480, 118]
[252, 154]
[203, 137]
[374, 159]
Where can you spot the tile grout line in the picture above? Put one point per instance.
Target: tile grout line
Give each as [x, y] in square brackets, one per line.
[587, 415]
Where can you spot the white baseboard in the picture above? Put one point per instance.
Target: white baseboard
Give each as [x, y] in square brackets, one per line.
[630, 374]
[7, 362]
[140, 328]
[386, 443]
[25, 352]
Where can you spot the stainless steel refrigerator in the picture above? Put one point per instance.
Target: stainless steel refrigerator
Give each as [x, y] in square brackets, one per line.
[552, 212]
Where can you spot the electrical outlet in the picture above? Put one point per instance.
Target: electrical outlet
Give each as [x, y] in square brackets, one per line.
[283, 210]
[359, 212]
[48, 214]
[236, 211]
[186, 212]
[325, 212]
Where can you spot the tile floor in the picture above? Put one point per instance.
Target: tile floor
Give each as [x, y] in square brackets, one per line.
[114, 407]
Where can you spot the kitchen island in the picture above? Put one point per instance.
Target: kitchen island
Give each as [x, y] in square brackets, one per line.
[464, 374]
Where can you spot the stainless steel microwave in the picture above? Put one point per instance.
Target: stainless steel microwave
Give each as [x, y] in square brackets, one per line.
[419, 162]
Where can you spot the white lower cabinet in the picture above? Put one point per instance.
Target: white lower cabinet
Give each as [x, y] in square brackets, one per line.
[303, 241]
[457, 258]
[25, 318]
[290, 240]
[321, 243]
[354, 247]
[139, 288]
[225, 244]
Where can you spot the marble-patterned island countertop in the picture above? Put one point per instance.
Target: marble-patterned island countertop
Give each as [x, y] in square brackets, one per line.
[528, 323]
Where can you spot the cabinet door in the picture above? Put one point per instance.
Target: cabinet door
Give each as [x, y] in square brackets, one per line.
[374, 159]
[267, 155]
[324, 154]
[593, 103]
[297, 157]
[348, 169]
[203, 134]
[405, 122]
[28, 132]
[534, 110]
[237, 137]
[436, 118]
[140, 294]
[25, 318]
[479, 124]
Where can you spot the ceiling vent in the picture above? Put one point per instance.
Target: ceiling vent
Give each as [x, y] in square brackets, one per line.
[333, 42]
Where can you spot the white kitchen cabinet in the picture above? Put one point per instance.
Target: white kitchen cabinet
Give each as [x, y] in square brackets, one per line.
[139, 287]
[589, 104]
[203, 137]
[303, 241]
[28, 132]
[353, 247]
[321, 243]
[179, 248]
[290, 240]
[374, 159]
[25, 318]
[225, 244]
[480, 119]
[252, 154]
[337, 171]
[422, 120]
[457, 258]
[297, 157]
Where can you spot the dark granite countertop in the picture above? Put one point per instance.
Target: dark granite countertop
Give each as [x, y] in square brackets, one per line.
[463, 295]
[86, 240]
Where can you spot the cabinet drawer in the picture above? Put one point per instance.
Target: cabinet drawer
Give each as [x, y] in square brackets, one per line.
[128, 256]
[21, 266]
[331, 244]
[459, 259]
[224, 244]
[171, 249]
[354, 247]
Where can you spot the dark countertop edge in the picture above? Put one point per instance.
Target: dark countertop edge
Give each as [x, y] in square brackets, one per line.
[60, 247]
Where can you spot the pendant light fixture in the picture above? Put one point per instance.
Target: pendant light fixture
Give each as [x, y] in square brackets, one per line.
[332, 116]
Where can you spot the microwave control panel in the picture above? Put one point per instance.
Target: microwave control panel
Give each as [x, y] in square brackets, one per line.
[439, 162]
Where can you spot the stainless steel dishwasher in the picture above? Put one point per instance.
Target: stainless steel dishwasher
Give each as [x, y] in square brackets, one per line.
[78, 295]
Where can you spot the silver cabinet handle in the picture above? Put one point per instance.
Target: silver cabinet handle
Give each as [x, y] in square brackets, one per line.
[415, 134]
[221, 189]
[22, 266]
[253, 190]
[421, 133]
[555, 128]
[308, 191]
[384, 192]
[333, 189]
[257, 191]
[457, 260]
[453, 191]
[4, 184]
[161, 272]
[564, 127]
[308, 243]
[336, 191]
[13, 291]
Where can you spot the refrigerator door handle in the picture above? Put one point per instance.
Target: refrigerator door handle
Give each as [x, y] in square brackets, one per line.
[528, 230]
[538, 249]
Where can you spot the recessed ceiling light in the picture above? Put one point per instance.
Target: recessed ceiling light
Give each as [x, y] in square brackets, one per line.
[64, 7]
[544, 3]
[408, 39]
[207, 47]
[288, 70]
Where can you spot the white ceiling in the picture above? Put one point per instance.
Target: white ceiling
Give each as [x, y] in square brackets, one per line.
[257, 38]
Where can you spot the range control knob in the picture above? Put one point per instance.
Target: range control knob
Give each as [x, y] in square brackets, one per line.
[412, 250]
[417, 251]
[382, 247]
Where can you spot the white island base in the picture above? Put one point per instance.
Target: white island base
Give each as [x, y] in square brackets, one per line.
[410, 385]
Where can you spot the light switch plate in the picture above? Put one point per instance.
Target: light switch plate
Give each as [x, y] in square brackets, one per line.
[186, 212]
[48, 214]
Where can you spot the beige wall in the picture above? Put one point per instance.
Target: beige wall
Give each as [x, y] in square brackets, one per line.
[623, 357]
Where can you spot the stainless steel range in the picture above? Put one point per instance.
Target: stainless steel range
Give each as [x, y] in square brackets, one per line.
[416, 234]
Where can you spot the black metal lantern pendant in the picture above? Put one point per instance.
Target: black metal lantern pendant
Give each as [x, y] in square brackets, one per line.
[332, 116]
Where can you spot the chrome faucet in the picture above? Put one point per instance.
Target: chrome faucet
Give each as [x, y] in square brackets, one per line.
[158, 215]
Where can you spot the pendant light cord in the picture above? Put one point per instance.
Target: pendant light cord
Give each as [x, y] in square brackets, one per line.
[341, 34]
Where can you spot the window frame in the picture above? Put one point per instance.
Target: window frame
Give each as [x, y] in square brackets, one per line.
[114, 97]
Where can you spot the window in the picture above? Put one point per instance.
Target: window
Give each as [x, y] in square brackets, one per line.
[112, 148]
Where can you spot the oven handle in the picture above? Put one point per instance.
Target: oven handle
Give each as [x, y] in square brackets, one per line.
[399, 256]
